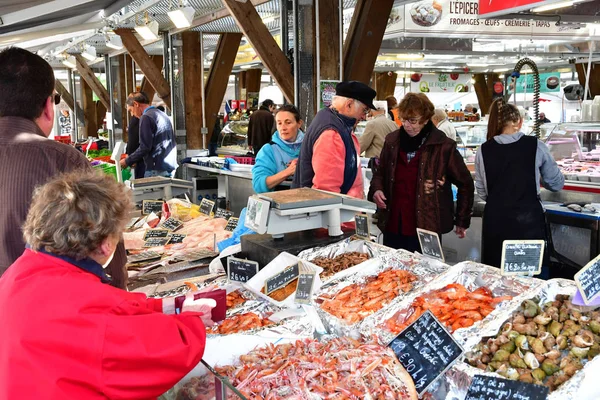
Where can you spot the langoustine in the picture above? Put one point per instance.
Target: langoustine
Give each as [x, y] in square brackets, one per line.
[239, 323]
[454, 305]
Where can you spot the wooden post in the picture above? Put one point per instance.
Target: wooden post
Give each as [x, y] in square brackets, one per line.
[151, 72]
[146, 87]
[484, 89]
[264, 44]
[594, 78]
[192, 75]
[385, 84]
[218, 77]
[329, 43]
[365, 35]
[90, 78]
[68, 98]
[89, 110]
[100, 114]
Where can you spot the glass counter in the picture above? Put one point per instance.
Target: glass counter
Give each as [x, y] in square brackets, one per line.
[233, 139]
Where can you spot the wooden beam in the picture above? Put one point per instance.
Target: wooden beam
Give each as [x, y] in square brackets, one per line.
[151, 72]
[365, 35]
[594, 89]
[218, 77]
[192, 82]
[252, 82]
[484, 89]
[89, 109]
[385, 84]
[264, 44]
[329, 43]
[90, 78]
[145, 86]
[100, 113]
[68, 98]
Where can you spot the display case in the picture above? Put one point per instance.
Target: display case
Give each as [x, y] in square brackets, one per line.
[233, 139]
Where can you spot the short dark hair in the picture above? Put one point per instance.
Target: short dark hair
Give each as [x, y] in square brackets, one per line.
[140, 97]
[268, 103]
[291, 109]
[26, 82]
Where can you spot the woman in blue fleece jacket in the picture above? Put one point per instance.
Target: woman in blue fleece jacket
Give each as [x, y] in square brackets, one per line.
[276, 162]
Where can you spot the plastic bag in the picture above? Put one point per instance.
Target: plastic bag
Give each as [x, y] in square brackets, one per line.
[239, 231]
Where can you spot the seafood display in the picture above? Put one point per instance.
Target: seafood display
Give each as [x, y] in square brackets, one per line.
[235, 299]
[454, 305]
[282, 293]
[544, 344]
[334, 265]
[239, 323]
[340, 368]
[358, 300]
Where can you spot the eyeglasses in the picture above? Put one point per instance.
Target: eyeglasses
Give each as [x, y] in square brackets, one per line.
[412, 121]
[365, 109]
[56, 98]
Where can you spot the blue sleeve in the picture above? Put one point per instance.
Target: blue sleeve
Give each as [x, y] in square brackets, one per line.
[552, 178]
[263, 168]
[147, 130]
[480, 181]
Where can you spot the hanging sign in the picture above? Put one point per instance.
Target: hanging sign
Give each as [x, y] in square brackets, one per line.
[492, 388]
[549, 83]
[440, 83]
[494, 8]
[522, 257]
[430, 244]
[327, 92]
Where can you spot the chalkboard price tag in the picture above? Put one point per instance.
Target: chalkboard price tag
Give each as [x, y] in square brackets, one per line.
[492, 388]
[239, 270]
[281, 279]
[430, 244]
[232, 223]
[156, 241]
[522, 257]
[151, 206]
[426, 350]
[362, 226]
[156, 233]
[305, 288]
[171, 224]
[588, 280]
[221, 213]
[206, 206]
[176, 238]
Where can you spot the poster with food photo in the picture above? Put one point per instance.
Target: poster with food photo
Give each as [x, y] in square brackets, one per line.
[440, 83]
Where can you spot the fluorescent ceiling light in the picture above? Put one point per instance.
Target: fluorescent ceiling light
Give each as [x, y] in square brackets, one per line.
[148, 31]
[501, 70]
[554, 6]
[115, 42]
[268, 19]
[182, 17]
[410, 57]
[89, 53]
[70, 62]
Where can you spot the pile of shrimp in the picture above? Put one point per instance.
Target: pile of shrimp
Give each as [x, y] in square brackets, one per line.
[341, 368]
[239, 323]
[454, 305]
[357, 301]
[234, 299]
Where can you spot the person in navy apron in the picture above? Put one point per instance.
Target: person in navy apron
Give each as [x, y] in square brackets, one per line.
[509, 168]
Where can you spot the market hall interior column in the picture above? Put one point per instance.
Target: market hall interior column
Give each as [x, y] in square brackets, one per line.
[192, 84]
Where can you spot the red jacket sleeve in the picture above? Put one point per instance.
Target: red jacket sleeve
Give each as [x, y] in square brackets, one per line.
[146, 354]
[328, 162]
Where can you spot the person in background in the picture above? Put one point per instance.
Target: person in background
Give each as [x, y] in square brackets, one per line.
[329, 157]
[133, 142]
[392, 105]
[83, 339]
[543, 119]
[379, 126]
[157, 147]
[27, 158]
[508, 169]
[412, 186]
[469, 109]
[260, 126]
[276, 162]
[441, 121]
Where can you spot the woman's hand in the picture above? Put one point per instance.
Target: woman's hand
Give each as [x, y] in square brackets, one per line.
[461, 232]
[203, 306]
[380, 199]
[291, 168]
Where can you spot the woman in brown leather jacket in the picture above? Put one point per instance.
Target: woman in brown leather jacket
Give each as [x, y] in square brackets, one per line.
[413, 185]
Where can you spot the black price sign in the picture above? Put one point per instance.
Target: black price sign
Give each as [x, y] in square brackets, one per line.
[281, 279]
[240, 270]
[588, 280]
[492, 388]
[176, 238]
[304, 289]
[430, 244]
[362, 226]
[156, 241]
[221, 213]
[206, 206]
[522, 257]
[171, 224]
[151, 206]
[156, 233]
[232, 224]
[426, 350]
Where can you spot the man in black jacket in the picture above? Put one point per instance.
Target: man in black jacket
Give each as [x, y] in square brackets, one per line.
[133, 142]
[260, 127]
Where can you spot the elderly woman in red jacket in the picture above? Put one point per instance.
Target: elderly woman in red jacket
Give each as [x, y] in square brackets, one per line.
[412, 186]
[66, 334]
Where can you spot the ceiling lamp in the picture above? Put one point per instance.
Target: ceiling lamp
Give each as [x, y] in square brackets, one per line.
[114, 42]
[89, 53]
[555, 6]
[182, 17]
[70, 62]
[410, 57]
[149, 30]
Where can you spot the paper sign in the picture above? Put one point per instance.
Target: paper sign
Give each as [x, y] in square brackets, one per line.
[492, 388]
[156, 233]
[151, 206]
[426, 350]
[588, 280]
[171, 224]
[206, 206]
[281, 279]
[239, 270]
[522, 257]
[430, 244]
[362, 226]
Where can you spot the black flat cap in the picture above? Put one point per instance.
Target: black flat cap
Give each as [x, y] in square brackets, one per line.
[358, 91]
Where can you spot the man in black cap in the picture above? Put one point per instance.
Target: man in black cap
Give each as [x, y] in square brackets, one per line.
[329, 157]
